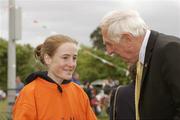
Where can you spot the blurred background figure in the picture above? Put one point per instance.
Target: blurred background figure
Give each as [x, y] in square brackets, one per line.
[19, 84]
[75, 78]
[2, 95]
[88, 89]
[95, 102]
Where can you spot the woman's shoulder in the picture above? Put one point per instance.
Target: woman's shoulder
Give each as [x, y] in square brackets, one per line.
[29, 88]
[77, 88]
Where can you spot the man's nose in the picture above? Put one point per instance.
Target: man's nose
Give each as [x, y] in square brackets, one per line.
[109, 51]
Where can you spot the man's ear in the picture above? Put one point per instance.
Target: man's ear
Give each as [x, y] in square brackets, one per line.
[129, 40]
[127, 36]
[47, 59]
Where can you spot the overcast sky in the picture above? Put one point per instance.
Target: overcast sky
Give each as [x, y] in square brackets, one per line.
[79, 18]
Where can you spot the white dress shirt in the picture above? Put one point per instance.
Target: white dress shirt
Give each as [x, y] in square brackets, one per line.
[143, 46]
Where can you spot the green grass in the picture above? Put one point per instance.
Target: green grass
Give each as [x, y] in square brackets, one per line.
[103, 116]
[3, 110]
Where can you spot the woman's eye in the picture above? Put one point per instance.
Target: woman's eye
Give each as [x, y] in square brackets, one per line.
[74, 58]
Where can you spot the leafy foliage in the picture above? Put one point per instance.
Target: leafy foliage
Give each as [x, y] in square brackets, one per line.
[3, 63]
[25, 62]
[92, 66]
[96, 38]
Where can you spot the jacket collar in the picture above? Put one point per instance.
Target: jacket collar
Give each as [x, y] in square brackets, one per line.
[43, 74]
[148, 53]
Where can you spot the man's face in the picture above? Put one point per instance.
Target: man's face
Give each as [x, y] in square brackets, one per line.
[126, 49]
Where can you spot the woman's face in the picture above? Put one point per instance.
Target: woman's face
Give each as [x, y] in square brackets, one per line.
[62, 65]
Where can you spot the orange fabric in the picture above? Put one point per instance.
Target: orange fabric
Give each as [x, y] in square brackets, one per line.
[40, 100]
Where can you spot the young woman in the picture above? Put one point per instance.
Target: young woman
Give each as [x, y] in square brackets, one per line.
[51, 95]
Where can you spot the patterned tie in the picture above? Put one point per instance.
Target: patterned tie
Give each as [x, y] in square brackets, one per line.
[138, 87]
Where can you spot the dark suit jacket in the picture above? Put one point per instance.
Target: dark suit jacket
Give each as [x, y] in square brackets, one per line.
[125, 107]
[160, 87]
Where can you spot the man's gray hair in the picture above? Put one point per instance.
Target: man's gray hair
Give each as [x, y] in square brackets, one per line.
[117, 22]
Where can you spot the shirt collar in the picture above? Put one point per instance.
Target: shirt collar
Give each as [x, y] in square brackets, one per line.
[143, 46]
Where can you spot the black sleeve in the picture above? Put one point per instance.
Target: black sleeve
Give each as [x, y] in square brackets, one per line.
[171, 74]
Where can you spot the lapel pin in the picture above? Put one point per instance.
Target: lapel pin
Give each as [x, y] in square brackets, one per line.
[145, 65]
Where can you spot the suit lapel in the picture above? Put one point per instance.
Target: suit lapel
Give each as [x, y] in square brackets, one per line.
[148, 54]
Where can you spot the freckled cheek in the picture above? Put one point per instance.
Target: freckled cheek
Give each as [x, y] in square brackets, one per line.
[59, 65]
[75, 64]
[58, 68]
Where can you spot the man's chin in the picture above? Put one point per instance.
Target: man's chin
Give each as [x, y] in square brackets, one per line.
[129, 61]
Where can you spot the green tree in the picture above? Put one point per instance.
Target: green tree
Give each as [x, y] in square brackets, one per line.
[92, 65]
[25, 62]
[96, 38]
[3, 64]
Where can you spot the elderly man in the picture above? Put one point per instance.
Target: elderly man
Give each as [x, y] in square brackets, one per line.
[157, 88]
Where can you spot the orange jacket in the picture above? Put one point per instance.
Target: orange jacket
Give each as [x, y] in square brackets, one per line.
[40, 100]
